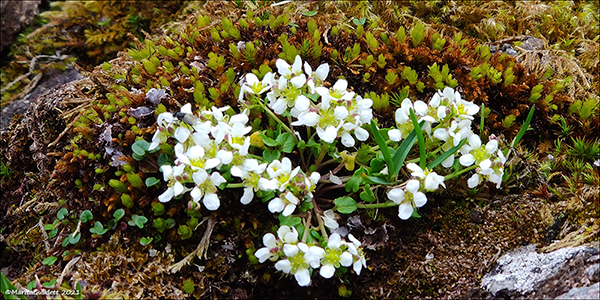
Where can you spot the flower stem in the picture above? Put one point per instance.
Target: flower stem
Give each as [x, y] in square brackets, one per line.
[320, 158]
[377, 205]
[454, 175]
[234, 185]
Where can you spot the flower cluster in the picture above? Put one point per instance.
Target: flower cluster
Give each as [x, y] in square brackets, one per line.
[452, 118]
[206, 143]
[298, 258]
[339, 113]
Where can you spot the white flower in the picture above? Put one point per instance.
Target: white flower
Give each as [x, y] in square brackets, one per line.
[407, 198]
[287, 71]
[357, 254]
[432, 179]
[475, 153]
[334, 257]
[174, 176]
[166, 128]
[254, 86]
[295, 263]
[206, 188]
[285, 203]
[270, 251]
[315, 79]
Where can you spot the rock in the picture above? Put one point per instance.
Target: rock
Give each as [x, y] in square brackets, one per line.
[16, 15]
[51, 79]
[526, 274]
[589, 292]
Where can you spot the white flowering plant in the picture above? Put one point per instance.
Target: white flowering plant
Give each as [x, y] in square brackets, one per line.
[285, 165]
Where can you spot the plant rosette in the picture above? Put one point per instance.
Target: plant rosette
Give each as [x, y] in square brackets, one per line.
[310, 119]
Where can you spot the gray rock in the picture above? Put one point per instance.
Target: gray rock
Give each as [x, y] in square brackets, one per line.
[588, 292]
[524, 273]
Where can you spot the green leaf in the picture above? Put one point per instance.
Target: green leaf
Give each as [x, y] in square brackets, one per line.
[85, 216]
[310, 13]
[382, 145]
[367, 195]
[376, 165]
[49, 284]
[353, 184]
[7, 286]
[188, 286]
[98, 229]
[163, 159]
[150, 181]
[74, 239]
[50, 260]
[118, 185]
[289, 220]
[140, 147]
[140, 221]
[145, 241]
[402, 152]
[287, 142]
[374, 179]
[270, 156]
[268, 141]
[524, 127]
[422, 149]
[62, 213]
[345, 205]
[445, 155]
[118, 214]
[135, 180]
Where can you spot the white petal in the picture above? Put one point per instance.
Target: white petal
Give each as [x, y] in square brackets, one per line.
[473, 181]
[178, 188]
[467, 160]
[340, 85]
[357, 267]
[284, 266]
[396, 195]
[269, 240]
[346, 259]
[262, 254]
[361, 134]
[420, 107]
[419, 199]
[298, 81]
[491, 146]
[248, 196]
[413, 186]
[340, 112]
[302, 103]
[290, 250]
[405, 211]
[335, 241]
[395, 135]
[303, 277]
[166, 196]
[276, 205]
[211, 201]
[347, 139]
[309, 118]
[182, 133]
[322, 71]
[288, 210]
[327, 271]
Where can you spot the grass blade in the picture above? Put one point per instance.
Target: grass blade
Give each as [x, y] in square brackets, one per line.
[445, 155]
[422, 150]
[524, 127]
[402, 152]
[382, 145]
